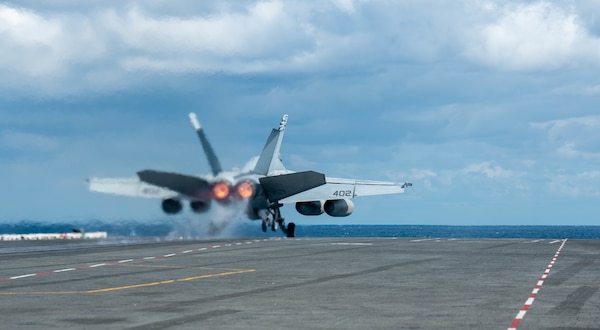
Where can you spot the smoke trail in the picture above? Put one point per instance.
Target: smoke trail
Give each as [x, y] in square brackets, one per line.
[218, 222]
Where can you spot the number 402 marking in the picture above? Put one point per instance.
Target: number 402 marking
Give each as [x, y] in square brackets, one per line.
[343, 193]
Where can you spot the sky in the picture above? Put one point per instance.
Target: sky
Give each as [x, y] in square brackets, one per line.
[490, 108]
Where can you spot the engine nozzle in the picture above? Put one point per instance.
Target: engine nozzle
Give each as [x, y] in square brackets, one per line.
[220, 190]
[244, 190]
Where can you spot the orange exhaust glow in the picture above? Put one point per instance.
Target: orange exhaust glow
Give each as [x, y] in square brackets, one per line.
[244, 189]
[220, 190]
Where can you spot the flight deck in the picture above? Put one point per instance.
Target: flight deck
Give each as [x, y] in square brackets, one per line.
[316, 283]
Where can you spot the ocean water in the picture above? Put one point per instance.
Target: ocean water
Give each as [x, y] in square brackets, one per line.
[252, 229]
[433, 231]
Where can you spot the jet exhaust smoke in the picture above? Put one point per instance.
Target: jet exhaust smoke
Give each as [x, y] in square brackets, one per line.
[218, 222]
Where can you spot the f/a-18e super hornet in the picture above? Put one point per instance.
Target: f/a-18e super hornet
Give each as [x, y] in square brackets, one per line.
[266, 185]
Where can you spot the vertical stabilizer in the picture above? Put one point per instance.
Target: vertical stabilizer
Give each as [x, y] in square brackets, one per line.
[269, 162]
[213, 161]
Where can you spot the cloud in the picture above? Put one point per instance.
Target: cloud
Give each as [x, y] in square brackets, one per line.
[553, 125]
[104, 47]
[251, 40]
[422, 177]
[573, 137]
[533, 36]
[108, 43]
[38, 46]
[345, 5]
[421, 173]
[109, 47]
[488, 169]
[582, 184]
[100, 49]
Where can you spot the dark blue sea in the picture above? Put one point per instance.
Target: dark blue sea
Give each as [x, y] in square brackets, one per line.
[252, 229]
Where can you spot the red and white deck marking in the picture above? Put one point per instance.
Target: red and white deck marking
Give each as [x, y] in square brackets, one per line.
[112, 263]
[515, 323]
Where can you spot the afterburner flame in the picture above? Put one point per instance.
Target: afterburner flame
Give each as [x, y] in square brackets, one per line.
[244, 189]
[220, 190]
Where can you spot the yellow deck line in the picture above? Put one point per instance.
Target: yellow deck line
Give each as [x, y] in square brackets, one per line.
[133, 286]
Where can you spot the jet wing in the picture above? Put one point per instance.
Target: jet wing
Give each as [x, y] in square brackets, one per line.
[337, 188]
[279, 187]
[187, 185]
[312, 186]
[132, 187]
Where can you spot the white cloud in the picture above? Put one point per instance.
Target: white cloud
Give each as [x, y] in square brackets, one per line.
[423, 177]
[553, 125]
[489, 169]
[103, 46]
[217, 42]
[106, 46]
[36, 46]
[573, 137]
[419, 174]
[533, 36]
[414, 174]
[345, 5]
[99, 49]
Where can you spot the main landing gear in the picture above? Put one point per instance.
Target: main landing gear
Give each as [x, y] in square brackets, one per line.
[278, 222]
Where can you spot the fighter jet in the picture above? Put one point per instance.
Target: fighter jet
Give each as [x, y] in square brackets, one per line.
[266, 185]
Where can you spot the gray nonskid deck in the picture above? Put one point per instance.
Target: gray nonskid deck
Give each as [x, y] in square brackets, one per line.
[304, 283]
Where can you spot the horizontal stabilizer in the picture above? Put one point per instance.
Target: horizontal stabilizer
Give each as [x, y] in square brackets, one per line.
[281, 186]
[132, 187]
[184, 184]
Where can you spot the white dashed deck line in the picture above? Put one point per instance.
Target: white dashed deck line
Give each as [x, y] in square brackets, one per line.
[21, 276]
[521, 314]
[64, 270]
[97, 265]
[84, 267]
